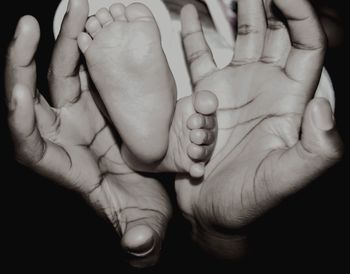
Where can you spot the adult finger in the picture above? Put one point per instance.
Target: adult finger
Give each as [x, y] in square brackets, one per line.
[305, 60]
[251, 31]
[198, 53]
[319, 148]
[140, 210]
[20, 65]
[64, 69]
[277, 43]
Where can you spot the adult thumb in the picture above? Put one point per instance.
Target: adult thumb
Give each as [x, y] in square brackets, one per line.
[319, 148]
[142, 244]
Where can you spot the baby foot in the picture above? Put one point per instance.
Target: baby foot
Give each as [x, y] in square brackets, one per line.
[123, 51]
[192, 137]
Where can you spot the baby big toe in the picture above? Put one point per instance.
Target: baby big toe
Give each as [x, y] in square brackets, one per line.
[138, 12]
[118, 12]
[104, 17]
[93, 26]
[205, 102]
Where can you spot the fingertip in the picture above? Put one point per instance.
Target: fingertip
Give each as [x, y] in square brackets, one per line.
[306, 21]
[320, 136]
[189, 18]
[28, 25]
[322, 114]
[188, 10]
[26, 40]
[139, 241]
[81, 6]
[75, 18]
[290, 6]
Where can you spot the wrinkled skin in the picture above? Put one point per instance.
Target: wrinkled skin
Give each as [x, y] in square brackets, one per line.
[264, 104]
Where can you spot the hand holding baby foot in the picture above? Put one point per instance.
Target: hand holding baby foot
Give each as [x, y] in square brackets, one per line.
[192, 137]
[124, 55]
[72, 143]
[264, 103]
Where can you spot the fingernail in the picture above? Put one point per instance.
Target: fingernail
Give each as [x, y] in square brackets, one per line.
[139, 241]
[144, 249]
[323, 116]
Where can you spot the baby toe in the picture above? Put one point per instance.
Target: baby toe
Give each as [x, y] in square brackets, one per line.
[205, 102]
[202, 137]
[84, 41]
[93, 26]
[138, 12]
[196, 121]
[104, 17]
[198, 153]
[210, 122]
[197, 170]
[118, 12]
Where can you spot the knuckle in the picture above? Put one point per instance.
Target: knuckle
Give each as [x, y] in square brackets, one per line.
[196, 55]
[246, 29]
[274, 24]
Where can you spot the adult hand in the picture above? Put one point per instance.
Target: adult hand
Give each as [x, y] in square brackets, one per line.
[273, 137]
[73, 144]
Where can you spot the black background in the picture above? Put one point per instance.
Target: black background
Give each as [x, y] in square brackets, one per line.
[48, 228]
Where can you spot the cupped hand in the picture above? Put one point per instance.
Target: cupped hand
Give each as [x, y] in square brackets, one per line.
[71, 142]
[273, 137]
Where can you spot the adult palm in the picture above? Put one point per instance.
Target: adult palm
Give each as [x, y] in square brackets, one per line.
[264, 104]
[73, 144]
